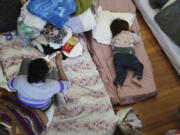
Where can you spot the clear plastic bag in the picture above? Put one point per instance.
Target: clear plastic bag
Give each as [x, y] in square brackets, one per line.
[55, 12]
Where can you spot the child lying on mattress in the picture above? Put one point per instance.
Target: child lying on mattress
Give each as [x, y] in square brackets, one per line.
[124, 53]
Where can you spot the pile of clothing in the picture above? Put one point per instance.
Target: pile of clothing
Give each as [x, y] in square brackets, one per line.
[49, 24]
[46, 24]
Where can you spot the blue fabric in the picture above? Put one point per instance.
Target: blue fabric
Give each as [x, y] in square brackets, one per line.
[55, 12]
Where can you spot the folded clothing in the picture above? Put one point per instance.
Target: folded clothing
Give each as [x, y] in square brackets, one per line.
[53, 37]
[82, 5]
[56, 37]
[80, 24]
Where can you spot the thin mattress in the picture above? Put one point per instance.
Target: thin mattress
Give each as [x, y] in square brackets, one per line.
[102, 56]
[89, 108]
[169, 47]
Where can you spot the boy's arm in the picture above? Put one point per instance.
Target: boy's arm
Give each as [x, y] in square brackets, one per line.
[61, 72]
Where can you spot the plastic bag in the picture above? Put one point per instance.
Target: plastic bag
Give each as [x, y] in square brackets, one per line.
[55, 12]
[25, 32]
[129, 122]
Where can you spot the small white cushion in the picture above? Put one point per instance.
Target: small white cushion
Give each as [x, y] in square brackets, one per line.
[102, 31]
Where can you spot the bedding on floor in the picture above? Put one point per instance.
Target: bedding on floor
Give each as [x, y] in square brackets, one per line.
[168, 46]
[102, 56]
[89, 108]
[168, 20]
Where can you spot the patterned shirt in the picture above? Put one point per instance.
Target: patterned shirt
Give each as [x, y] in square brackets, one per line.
[125, 39]
[37, 95]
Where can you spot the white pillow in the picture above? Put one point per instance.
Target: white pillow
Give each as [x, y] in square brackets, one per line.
[102, 31]
[168, 3]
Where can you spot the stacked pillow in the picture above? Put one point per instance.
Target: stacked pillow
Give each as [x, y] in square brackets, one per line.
[102, 32]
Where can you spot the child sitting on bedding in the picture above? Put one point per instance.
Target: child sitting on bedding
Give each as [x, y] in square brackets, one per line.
[36, 84]
[124, 58]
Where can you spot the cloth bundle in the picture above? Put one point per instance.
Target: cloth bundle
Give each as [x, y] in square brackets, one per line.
[52, 39]
[79, 24]
[18, 118]
[129, 122]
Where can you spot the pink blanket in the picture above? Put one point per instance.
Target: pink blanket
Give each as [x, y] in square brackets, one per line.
[102, 56]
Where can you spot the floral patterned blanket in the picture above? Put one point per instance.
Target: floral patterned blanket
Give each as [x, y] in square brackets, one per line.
[90, 110]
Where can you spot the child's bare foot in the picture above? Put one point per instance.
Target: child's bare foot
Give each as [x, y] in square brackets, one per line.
[136, 81]
[118, 86]
[120, 94]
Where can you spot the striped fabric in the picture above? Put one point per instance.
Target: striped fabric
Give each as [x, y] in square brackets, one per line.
[14, 113]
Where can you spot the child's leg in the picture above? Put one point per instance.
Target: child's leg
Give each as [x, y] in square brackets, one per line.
[137, 66]
[136, 81]
[62, 106]
[119, 92]
[24, 66]
[138, 73]
[121, 74]
[120, 69]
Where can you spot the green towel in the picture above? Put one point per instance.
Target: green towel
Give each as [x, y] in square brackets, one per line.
[82, 5]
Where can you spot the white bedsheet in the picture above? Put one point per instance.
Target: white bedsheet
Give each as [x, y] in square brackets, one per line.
[169, 47]
[90, 111]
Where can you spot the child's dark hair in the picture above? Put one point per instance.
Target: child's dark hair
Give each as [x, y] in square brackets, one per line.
[37, 70]
[118, 25]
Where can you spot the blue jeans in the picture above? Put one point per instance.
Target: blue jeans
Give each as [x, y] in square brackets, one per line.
[122, 62]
